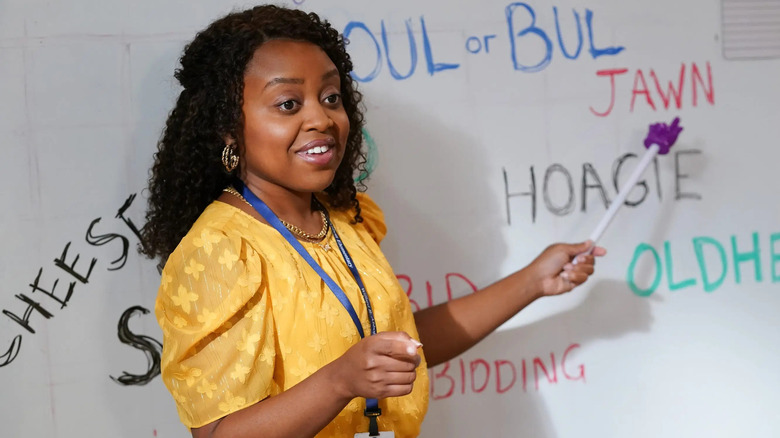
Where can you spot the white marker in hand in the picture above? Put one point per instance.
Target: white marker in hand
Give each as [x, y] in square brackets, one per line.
[659, 140]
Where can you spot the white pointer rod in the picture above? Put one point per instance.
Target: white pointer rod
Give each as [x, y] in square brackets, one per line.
[659, 140]
[651, 153]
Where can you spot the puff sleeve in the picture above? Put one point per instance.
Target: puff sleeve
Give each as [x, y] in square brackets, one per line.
[373, 217]
[218, 328]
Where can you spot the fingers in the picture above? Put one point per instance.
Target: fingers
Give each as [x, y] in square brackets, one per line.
[576, 277]
[578, 248]
[586, 248]
[388, 366]
[397, 345]
[400, 379]
[582, 264]
[383, 383]
[398, 384]
[562, 266]
[578, 271]
[582, 260]
[394, 391]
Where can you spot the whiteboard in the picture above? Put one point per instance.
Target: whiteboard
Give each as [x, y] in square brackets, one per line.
[494, 132]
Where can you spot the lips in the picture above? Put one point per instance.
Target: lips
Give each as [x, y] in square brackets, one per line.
[319, 152]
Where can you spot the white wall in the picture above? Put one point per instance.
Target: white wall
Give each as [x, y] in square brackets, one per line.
[85, 89]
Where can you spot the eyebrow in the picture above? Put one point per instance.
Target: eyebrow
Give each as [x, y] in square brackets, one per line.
[330, 74]
[276, 81]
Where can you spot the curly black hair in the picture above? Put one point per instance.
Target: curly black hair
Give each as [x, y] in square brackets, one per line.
[188, 173]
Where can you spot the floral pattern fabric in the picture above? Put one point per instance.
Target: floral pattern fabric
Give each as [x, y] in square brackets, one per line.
[244, 317]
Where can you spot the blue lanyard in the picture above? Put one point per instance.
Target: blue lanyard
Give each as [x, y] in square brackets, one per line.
[274, 221]
[372, 405]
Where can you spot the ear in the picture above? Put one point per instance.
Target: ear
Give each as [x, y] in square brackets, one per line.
[229, 139]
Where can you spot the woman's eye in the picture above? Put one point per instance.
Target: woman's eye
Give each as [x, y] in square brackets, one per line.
[287, 105]
[333, 98]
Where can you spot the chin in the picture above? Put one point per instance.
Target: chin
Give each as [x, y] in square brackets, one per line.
[318, 185]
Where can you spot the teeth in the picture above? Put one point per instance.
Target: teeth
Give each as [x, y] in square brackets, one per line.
[318, 150]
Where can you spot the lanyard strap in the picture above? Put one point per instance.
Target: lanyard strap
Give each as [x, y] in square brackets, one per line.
[372, 405]
[274, 221]
[356, 275]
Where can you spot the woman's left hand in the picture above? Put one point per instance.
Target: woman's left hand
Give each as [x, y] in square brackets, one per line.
[555, 270]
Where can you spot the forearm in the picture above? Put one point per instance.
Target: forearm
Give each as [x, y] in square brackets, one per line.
[448, 329]
[302, 411]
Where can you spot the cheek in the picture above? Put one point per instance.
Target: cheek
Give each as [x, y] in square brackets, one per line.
[343, 123]
[269, 135]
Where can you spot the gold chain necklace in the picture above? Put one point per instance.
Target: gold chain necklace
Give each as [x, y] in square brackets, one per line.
[318, 238]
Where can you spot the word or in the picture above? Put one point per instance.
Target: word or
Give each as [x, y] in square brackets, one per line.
[520, 37]
[557, 176]
[499, 376]
[448, 280]
[68, 265]
[711, 275]
[670, 94]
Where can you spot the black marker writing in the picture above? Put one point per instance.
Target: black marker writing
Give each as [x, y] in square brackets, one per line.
[150, 346]
[106, 238]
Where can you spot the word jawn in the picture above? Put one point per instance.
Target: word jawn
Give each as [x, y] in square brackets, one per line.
[668, 94]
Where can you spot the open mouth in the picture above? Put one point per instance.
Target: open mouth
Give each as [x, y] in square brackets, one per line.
[320, 153]
[318, 150]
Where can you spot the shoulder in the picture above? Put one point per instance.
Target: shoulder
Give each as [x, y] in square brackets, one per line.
[218, 226]
[213, 265]
[218, 239]
[373, 217]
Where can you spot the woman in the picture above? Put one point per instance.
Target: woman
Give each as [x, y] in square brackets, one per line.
[280, 315]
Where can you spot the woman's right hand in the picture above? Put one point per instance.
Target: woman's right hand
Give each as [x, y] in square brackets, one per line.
[379, 366]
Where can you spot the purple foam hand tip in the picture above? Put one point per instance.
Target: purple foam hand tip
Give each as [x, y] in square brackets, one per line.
[663, 135]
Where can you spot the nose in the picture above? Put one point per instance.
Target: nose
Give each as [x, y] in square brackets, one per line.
[317, 118]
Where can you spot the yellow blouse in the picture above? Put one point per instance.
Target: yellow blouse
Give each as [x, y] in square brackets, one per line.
[244, 317]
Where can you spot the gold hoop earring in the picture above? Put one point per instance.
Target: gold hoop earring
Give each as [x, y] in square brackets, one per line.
[230, 157]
